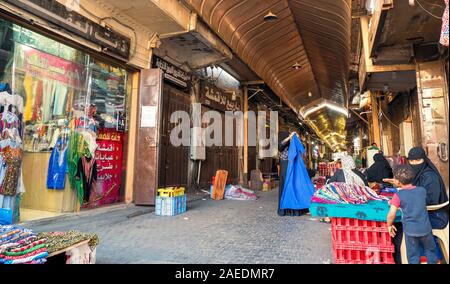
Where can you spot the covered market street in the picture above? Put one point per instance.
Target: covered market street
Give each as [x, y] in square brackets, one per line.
[210, 231]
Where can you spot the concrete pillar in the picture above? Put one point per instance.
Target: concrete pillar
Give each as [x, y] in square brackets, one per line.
[245, 98]
[375, 121]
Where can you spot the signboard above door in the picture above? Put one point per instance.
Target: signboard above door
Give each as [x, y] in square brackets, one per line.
[217, 98]
[112, 43]
[172, 73]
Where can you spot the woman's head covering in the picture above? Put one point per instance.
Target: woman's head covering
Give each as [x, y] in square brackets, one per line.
[418, 153]
[379, 170]
[348, 165]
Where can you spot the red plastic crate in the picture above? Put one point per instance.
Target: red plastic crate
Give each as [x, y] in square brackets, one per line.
[361, 242]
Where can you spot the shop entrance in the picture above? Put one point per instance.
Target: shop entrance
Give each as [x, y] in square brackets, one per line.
[173, 161]
[67, 114]
[219, 157]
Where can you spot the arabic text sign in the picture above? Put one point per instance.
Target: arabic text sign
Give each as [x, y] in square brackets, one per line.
[52, 67]
[171, 72]
[218, 99]
[109, 165]
[66, 18]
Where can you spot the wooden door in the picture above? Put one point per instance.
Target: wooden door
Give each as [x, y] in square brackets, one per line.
[173, 161]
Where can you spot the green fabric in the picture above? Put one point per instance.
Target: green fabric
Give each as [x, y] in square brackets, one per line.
[77, 148]
[10, 253]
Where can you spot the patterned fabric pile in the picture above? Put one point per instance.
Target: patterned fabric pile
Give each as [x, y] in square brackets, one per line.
[342, 193]
[61, 240]
[21, 246]
[444, 32]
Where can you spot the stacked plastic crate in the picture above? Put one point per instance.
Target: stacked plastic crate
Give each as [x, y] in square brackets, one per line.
[170, 201]
[361, 242]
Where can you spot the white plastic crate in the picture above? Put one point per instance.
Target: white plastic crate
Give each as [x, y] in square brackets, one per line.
[170, 206]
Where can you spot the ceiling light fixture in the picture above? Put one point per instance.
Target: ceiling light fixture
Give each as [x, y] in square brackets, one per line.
[309, 94]
[270, 17]
[328, 105]
[296, 66]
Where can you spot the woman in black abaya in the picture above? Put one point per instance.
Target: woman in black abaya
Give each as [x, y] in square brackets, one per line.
[380, 169]
[284, 139]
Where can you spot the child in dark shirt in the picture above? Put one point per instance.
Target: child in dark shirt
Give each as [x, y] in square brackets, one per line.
[416, 224]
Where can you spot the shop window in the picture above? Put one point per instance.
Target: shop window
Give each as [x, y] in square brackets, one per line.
[60, 86]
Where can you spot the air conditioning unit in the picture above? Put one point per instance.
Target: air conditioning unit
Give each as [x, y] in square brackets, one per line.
[198, 149]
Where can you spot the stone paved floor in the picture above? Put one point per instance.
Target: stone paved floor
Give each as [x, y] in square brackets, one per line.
[209, 232]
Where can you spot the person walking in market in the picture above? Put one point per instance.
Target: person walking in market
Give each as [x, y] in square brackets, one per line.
[283, 147]
[416, 223]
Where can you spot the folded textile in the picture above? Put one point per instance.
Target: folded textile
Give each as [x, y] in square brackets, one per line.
[20, 253]
[28, 259]
[31, 253]
[342, 193]
[24, 248]
[38, 261]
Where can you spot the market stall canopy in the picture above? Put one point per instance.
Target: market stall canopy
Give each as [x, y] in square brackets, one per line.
[311, 35]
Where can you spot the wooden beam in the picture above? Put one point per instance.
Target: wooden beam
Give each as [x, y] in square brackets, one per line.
[390, 68]
[357, 114]
[375, 121]
[374, 25]
[257, 82]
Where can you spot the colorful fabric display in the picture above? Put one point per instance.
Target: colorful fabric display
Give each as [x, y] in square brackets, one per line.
[61, 240]
[342, 193]
[19, 245]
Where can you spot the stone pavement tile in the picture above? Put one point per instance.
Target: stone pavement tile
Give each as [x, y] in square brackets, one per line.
[215, 232]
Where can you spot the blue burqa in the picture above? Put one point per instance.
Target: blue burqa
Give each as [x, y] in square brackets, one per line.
[298, 187]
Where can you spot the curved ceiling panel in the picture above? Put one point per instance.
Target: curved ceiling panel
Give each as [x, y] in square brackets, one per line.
[314, 33]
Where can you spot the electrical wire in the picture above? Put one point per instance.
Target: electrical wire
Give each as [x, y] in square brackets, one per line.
[431, 14]
[387, 118]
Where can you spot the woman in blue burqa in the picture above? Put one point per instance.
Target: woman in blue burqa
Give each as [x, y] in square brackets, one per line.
[296, 187]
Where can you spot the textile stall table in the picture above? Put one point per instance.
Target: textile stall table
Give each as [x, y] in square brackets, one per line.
[359, 231]
[79, 253]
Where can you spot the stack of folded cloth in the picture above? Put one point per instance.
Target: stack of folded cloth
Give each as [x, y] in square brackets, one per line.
[21, 246]
[343, 193]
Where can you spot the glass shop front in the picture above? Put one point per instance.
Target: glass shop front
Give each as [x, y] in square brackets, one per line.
[63, 123]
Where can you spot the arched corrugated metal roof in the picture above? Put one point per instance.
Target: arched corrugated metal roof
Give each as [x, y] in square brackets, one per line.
[314, 33]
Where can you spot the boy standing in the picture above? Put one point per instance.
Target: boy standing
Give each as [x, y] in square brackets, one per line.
[416, 224]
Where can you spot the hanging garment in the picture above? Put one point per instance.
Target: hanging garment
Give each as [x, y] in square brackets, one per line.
[37, 111]
[298, 187]
[59, 106]
[13, 160]
[87, 169]
[28, 86]
[444, 32]
[15, 100]
[77, 148]
[49, 95]
[56, 176]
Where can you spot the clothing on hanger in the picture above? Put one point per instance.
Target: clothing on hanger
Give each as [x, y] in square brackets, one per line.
[60, 99]
[48, 97]
[56, 177]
